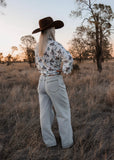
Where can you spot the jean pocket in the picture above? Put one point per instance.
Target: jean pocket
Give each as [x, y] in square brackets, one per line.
[52, 85]
[62, 84]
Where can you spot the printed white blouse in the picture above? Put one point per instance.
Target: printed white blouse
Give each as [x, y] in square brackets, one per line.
[54, 56]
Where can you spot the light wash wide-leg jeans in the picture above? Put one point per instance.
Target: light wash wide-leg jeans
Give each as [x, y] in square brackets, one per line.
[52, 93]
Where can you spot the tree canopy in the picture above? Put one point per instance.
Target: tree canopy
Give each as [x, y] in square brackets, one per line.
[97, 28]
[28, 41]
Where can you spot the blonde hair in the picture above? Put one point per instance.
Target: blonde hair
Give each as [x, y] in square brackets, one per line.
[49, 33]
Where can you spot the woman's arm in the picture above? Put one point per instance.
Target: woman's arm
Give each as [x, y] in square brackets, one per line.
[66, 58]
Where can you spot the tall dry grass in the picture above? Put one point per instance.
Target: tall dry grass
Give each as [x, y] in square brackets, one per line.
[91, 96]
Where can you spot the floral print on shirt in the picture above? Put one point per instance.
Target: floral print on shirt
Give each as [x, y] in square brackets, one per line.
[52, 59]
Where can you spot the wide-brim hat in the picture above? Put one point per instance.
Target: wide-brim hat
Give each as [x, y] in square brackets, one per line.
[48, 22]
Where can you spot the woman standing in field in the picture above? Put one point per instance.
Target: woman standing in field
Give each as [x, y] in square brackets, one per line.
[51, 88]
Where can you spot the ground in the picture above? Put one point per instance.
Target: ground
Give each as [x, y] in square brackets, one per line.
[91, 96]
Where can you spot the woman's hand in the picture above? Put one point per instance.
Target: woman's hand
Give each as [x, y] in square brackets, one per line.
[59, 71]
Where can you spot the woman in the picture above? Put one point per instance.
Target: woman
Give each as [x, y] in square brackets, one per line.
[53, 98]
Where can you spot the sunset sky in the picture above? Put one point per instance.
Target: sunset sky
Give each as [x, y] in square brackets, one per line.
[21, 17]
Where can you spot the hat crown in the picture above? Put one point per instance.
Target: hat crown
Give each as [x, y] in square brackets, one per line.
[48, 22]
[45, 22]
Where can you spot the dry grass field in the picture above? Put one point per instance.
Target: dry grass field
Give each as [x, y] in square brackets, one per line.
[91, 96]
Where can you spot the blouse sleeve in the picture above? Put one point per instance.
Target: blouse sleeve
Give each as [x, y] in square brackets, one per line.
[66, 58]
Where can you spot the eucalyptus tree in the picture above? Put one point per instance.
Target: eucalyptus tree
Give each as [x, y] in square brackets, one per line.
[1, 56]
[29, 43]
[9, 59]
[14, 48]
[99, 18]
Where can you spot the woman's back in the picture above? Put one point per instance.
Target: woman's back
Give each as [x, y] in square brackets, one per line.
[54, 54]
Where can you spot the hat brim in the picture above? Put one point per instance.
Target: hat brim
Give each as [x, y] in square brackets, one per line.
[57, 24]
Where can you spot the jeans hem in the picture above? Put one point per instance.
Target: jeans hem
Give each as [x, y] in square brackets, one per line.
[51, 145]
[67, 146]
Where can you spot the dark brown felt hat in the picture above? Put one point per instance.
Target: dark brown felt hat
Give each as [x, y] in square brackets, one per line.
[48, 22]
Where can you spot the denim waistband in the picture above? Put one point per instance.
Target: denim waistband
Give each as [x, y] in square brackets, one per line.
[47, 77]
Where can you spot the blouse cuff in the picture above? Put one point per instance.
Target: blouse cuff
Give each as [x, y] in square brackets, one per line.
[67, 68]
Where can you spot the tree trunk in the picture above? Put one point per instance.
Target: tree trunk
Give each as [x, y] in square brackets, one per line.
[98, 46]
[99, 59]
